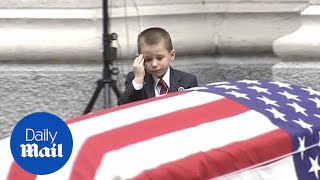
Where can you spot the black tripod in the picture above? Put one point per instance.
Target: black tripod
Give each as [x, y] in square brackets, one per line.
[109, 54]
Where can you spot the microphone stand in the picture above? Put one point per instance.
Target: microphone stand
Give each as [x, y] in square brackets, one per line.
[109, 54]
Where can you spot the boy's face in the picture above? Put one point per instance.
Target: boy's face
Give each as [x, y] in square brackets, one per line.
[156, 58]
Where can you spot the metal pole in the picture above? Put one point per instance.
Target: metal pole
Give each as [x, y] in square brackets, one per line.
[109, 54]
[106, 57]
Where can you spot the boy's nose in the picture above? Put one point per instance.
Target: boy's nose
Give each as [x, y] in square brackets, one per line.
[154, 63]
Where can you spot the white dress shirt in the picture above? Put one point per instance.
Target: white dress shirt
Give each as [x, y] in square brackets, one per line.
[157, 89]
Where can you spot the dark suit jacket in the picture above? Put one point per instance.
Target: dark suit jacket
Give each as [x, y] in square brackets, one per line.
[177, 79]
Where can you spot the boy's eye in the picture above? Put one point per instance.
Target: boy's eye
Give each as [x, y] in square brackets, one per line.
[147, 60]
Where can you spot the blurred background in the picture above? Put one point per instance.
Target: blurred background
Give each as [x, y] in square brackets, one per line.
[51, 51]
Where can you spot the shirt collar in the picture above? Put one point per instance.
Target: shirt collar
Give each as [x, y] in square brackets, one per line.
[166, 78]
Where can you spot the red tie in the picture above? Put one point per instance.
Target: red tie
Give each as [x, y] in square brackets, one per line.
[164, 88]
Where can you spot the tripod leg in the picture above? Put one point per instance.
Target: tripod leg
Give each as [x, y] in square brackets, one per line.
[93, 98]
[115, 89]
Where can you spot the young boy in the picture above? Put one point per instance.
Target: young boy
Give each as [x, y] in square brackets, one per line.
[152, 75]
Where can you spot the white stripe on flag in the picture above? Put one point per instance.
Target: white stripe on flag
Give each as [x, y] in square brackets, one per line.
[82, 130]
[153, 152]
[279, 170]
[6, 157]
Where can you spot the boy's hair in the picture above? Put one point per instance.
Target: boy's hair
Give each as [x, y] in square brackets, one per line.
[154, 35]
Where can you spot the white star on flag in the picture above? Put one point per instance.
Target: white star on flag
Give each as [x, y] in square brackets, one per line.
[304, 125]
[260, 89]
[217, 83]
[317, 115]
[238, 95]
[197, 88]
[316, 100]
[281, 84]
[250, 82]
[289, 96]
[268, 101]
[298, 108]
[228, 87]
[314, 166]
[277, 114]
[311, 91]
[302, 146]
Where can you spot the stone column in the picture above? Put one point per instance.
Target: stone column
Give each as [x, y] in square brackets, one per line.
[300, 51]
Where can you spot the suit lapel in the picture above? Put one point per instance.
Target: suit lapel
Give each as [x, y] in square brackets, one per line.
[175, 80]
[149, 86]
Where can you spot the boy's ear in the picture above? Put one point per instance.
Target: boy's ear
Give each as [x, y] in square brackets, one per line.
[173, 54]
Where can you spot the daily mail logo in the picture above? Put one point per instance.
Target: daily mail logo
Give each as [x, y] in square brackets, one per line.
[41, 143]
[32, 150]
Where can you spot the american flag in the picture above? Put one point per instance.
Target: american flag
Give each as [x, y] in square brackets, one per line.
[228, 130]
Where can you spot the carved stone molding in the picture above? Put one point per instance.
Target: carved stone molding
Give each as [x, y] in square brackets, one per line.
[303, 44]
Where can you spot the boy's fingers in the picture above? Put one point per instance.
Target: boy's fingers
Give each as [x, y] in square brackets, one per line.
[140, 59]
[136, 59]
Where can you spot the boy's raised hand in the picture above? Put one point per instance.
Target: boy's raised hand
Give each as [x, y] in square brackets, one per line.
[138, 69]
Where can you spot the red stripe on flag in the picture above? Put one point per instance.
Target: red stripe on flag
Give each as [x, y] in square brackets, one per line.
[16, 172]
[223, 160]
[91, 153]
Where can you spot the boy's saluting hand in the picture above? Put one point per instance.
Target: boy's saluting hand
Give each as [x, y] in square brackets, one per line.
[138, 69]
